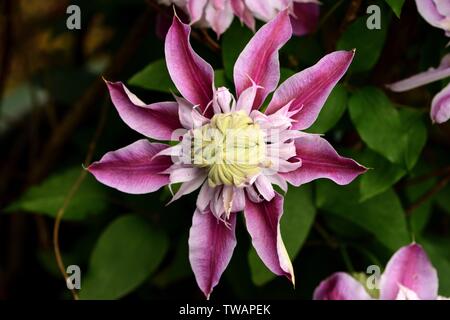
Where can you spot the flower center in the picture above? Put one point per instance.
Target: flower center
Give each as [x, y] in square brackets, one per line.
[231, 147]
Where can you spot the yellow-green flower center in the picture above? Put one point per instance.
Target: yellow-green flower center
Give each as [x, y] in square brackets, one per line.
[231, 147]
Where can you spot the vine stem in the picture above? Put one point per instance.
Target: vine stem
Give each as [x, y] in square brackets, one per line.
[429, 194]
[73, 190]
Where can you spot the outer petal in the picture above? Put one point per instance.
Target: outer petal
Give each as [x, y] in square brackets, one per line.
[320, 160]
[211, 245]
[259, 59]
[263, 224]
[340, 286]
[440, 106]
[429, 11]
[157, 120]
[219, 18]
[133, 169]
[309, 89]
[192, 75]
[410, 268]
[306, 18]
[423, 78]
[245, 15]
[195, 9]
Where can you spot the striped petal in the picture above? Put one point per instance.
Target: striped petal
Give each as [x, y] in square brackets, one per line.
[192, 75]
[263, 224]
[309, 89]
[211, 245]
[340, 286]
[133, 169]
[259, 59]
[158, 120]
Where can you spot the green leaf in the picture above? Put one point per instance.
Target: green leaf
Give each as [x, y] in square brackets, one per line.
[437, 250]
[233, 42]
[443, 199]
[48, 197]
[178, 268]
[381, 177]
[382, 215]
[368, 43]
[298, 216]
[332, 111]
[396, 6]
[154, 77]
[398, 135]
[220, 80]
[126, 254]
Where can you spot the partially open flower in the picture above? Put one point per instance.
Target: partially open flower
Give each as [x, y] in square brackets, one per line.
[409, 275]
[229, 149]
[218, 14]
[436, 13]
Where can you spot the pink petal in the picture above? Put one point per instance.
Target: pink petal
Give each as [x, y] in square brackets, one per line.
[309, 89]
[264, 187]
[195, 9]
[157, 120]
[259, 59]
[247, 98]
[320, 160]
[219, 18]
[133, 169]
[440, 106]
[411, 268]
[245, 15]
[192, 75]
[263, 224]
[211, 245]
[340, 286]
[423, 78]
[305, 19]
[429, 11]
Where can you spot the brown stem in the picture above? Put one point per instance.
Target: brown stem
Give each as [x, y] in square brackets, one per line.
[428, 195]
[73, 190]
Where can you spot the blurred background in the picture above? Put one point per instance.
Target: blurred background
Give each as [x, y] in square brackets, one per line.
[56, 117]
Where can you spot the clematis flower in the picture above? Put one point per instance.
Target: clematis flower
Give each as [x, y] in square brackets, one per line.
[440, 105]
[218, 14]
[227, 148]
[409, 275]
[436, 13]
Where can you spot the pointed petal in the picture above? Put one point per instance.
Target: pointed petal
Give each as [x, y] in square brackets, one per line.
[320, 160]
[245, 15]
[411, 268]
[423, 78]
[305, 18]
[219, 18]
[440, 106]
[247, 98]
[263, 224]
[340, 286]
[309, 89]
[259, 59]
[192, 75]
[157, 120]
[211, 245]
[133, 169]
[194, 182]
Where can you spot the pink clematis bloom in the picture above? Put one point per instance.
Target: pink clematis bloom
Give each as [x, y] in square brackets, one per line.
[218, 14]
[436, 13]
[210, 124]
[440, 105]
[409, 275]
